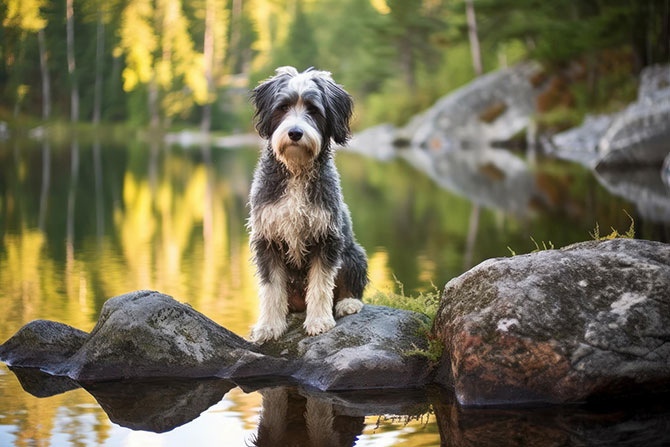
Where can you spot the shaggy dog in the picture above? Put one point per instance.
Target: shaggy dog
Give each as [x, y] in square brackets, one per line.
[301, 237]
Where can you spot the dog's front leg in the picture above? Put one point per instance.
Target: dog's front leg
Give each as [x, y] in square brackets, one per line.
[319, 296]
[273, 298]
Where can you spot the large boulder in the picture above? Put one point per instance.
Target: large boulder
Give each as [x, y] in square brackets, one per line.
[587, 321]
[147, 334]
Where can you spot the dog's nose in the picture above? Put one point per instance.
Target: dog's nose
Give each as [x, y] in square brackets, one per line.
[295, 134]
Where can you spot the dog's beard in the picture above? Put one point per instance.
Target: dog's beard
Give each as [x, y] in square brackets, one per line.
[297, 156]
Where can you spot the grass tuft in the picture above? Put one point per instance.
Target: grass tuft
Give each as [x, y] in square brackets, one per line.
[630, 234]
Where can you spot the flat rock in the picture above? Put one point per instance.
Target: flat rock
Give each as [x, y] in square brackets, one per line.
[146, 334]
[585, 322]
[366, 350]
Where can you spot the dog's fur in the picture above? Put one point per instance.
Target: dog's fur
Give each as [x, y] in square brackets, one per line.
[301, 236]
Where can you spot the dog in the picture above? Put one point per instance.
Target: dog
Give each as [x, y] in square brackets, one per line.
[301, 236]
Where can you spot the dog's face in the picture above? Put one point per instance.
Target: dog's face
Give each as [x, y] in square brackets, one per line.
[299, 113]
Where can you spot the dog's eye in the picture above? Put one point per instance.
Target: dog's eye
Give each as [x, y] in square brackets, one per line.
[284, 108]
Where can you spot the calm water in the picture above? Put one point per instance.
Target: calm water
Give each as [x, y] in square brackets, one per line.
[81, 222]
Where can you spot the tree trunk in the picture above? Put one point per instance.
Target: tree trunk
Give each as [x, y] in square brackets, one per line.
[235, 34]
[99, 53]
[208, 53]
[46, 83]
[474, 38]
[74, 95]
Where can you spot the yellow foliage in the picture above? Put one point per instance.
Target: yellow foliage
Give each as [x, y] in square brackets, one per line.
[25, 14]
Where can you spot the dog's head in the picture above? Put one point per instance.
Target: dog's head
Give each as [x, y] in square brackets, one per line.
[299, 113]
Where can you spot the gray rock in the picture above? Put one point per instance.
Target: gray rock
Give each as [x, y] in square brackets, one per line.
[587, 321]
[146, 334]
[43, 344]
[461, 114]
[365, 350]
[639, 135]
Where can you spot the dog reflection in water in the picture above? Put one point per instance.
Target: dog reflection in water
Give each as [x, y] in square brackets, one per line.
[291, 419]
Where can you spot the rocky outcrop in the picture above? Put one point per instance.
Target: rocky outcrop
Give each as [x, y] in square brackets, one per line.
[588, 321]
[493, 107]
[639, 135]
[146, 334]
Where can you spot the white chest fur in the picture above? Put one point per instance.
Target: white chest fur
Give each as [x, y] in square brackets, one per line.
[293, 219]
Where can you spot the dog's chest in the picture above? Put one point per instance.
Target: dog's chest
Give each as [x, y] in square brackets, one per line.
[293, 220]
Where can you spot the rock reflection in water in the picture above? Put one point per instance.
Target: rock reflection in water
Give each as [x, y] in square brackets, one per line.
[299, 417]
[156, 405]
[642, 186]
[619, 425]
[493, 178]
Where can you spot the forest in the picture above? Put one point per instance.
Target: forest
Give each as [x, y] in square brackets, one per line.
[174, 64]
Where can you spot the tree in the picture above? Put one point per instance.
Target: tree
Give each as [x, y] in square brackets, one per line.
[71, 63]
[25, 16]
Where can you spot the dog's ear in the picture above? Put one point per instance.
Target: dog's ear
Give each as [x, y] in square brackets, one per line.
[339, 107]
[263, 98]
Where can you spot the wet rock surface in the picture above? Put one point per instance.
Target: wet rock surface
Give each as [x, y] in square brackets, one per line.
[588, 321]
[146, 334]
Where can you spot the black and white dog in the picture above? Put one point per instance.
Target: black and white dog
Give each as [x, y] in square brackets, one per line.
[301, 237]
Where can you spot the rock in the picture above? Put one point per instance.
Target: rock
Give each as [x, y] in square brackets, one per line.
[376, 142]
[494, 106]
[43, 344]
[580, 144]
[639, 135]
[138, 335]
[588, 321]
[365, 350]
[146, 334]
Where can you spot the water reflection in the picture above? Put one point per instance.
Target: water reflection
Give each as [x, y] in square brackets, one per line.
[82, 221]
[294, 416]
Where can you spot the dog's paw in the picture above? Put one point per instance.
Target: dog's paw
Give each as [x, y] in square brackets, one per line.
[348, 306]
[319, 325]
[262, 333]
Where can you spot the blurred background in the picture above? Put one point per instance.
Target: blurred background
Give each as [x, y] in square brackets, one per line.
[482, 128]
[180, 63]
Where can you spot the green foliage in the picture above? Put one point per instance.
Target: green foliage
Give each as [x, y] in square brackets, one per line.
[396, 57]
[425, 302]
[629, 234]
[433, 353]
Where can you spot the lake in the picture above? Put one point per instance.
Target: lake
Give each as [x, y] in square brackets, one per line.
[83, 221]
